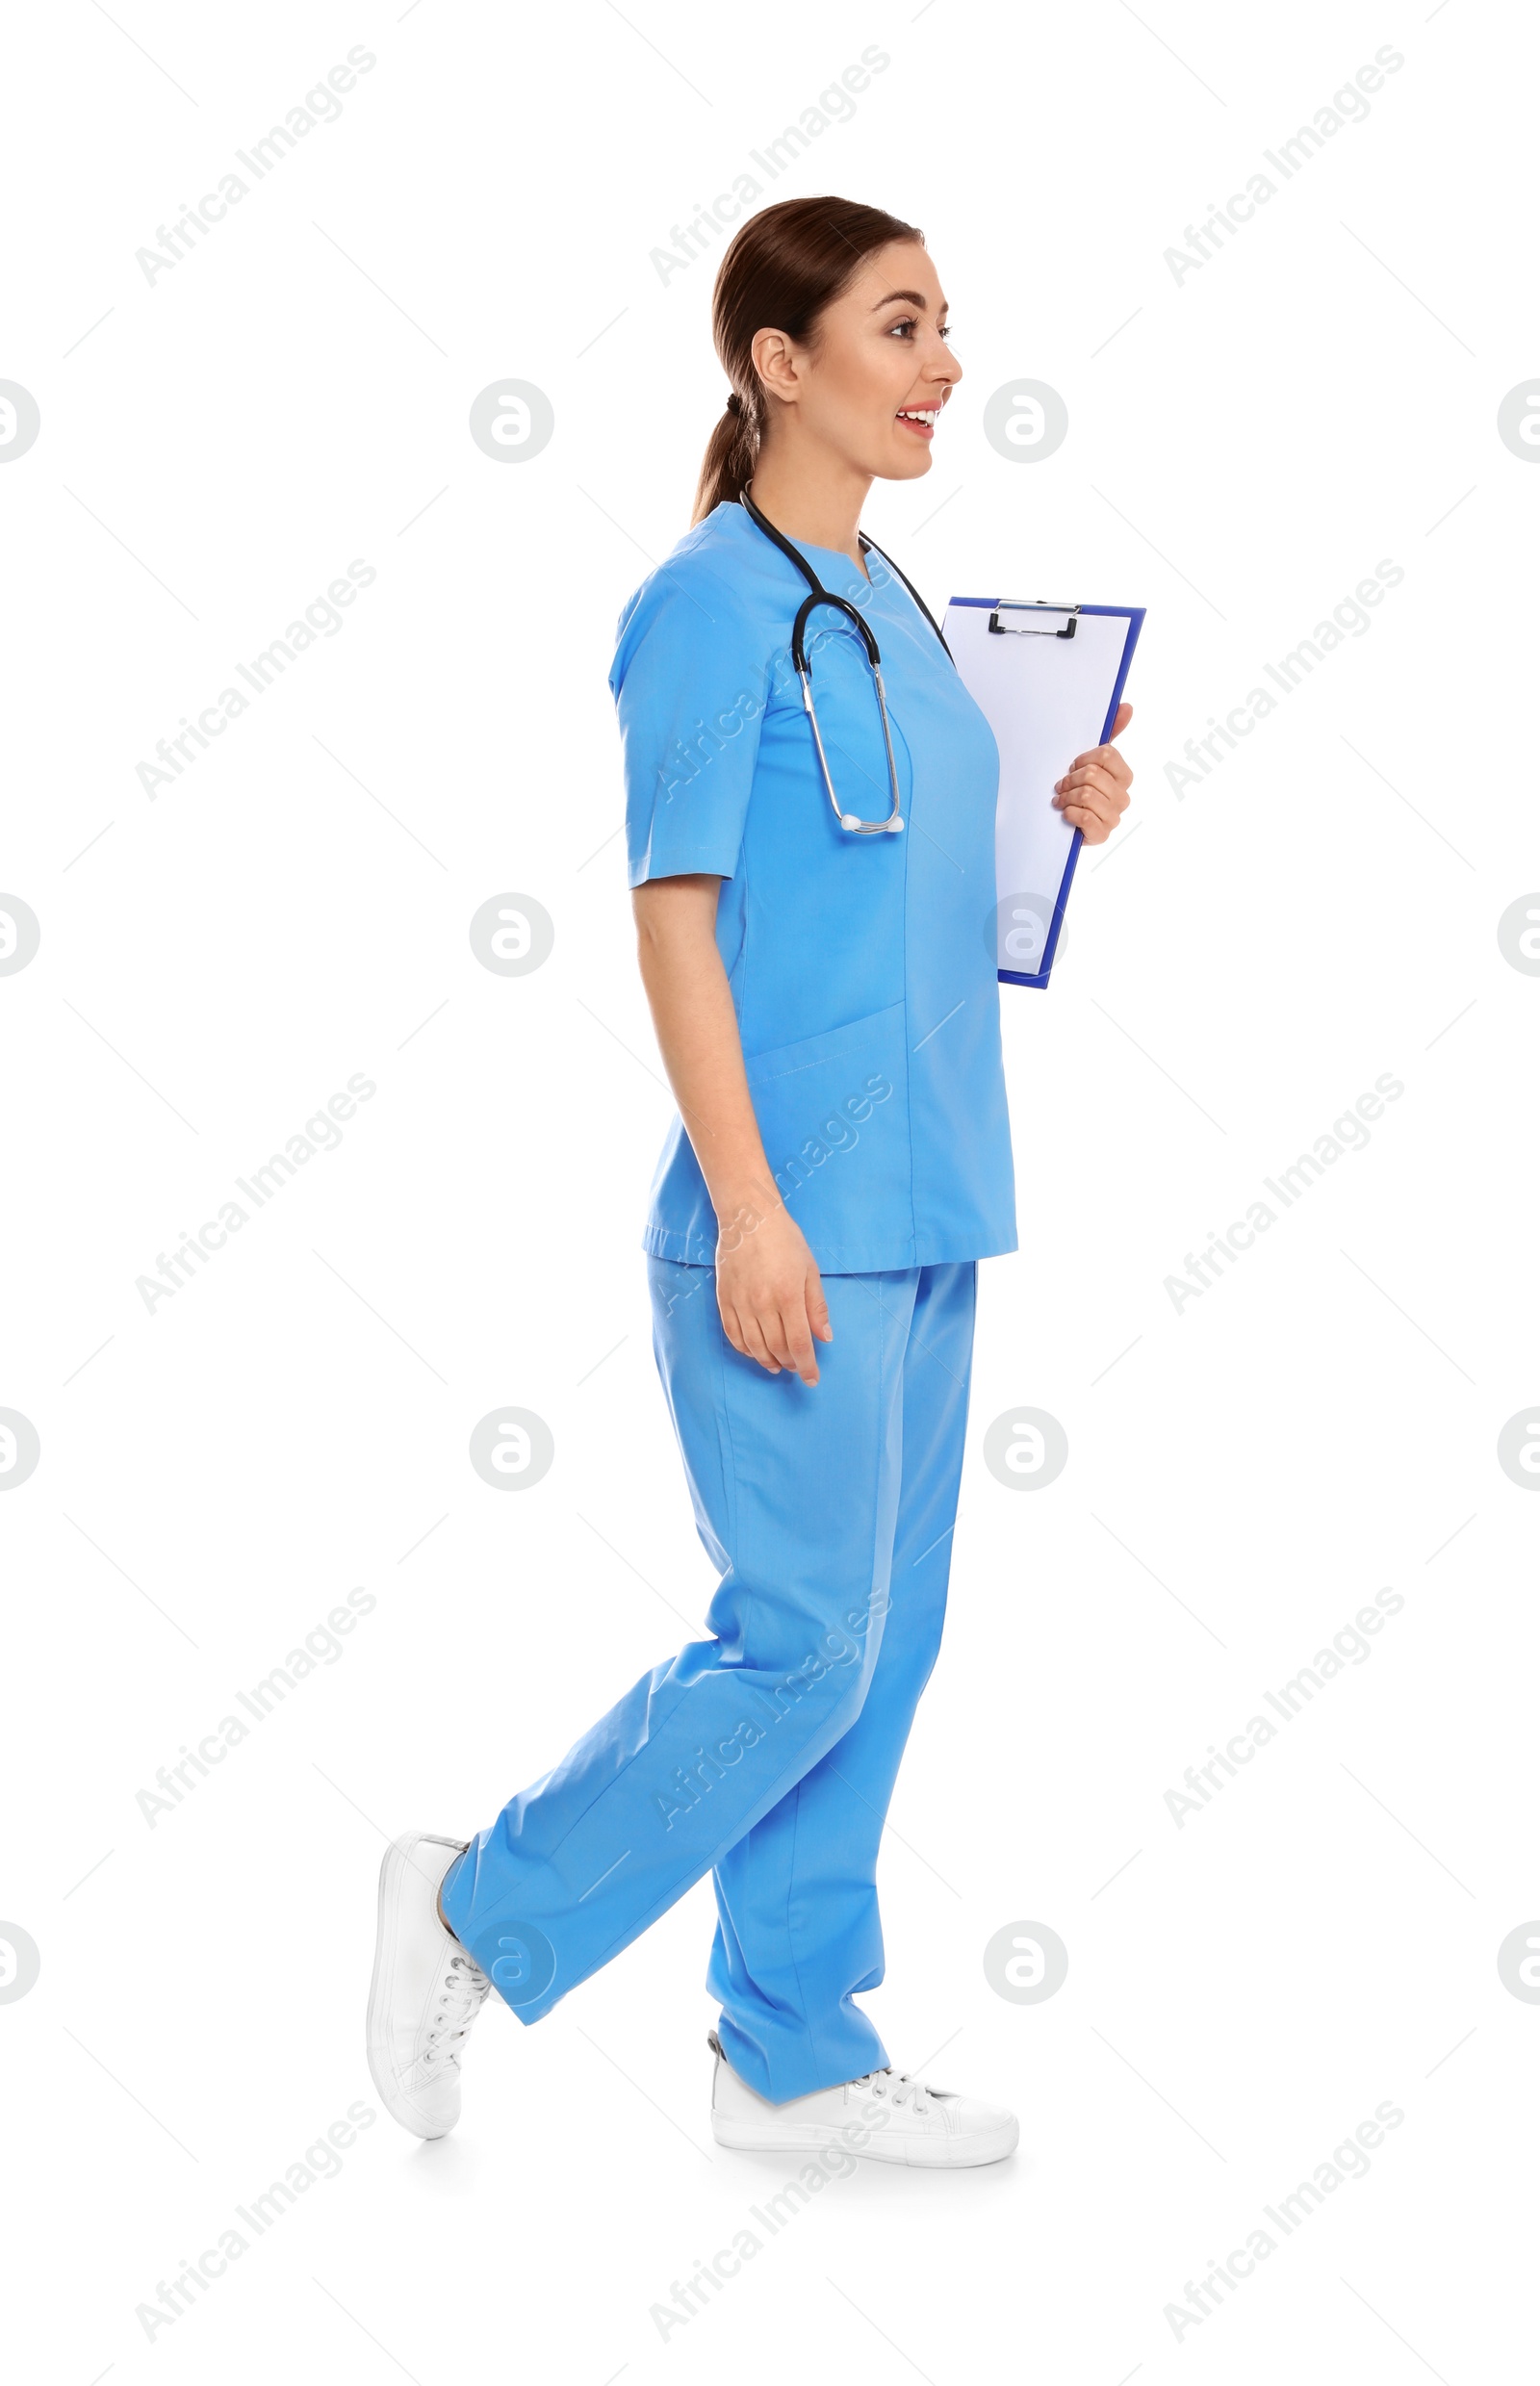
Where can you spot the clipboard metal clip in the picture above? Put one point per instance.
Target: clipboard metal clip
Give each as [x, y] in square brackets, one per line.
[1031, 630]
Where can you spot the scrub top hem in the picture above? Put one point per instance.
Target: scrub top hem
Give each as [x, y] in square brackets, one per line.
[689, 1251]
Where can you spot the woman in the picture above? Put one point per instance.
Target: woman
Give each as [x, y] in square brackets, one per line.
[816, 937]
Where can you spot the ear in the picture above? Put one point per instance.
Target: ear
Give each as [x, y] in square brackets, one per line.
[775, 361]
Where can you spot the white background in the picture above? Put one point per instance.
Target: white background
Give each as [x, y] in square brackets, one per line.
[1243, 962]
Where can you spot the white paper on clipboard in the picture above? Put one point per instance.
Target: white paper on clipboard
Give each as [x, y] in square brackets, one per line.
[1047, 696]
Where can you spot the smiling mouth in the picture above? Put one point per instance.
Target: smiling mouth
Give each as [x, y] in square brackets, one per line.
[921, 420]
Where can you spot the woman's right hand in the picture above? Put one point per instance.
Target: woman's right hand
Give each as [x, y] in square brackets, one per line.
[769, 1291]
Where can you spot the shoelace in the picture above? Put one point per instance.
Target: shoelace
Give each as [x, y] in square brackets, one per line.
[464, 1988]
[899, 2087]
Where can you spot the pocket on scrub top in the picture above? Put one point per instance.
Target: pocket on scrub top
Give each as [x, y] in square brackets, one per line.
[833, 1113]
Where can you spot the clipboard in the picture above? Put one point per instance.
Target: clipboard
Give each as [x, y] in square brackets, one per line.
[1048, 679]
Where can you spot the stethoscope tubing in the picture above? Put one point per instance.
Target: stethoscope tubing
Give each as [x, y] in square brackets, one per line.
[819, 595]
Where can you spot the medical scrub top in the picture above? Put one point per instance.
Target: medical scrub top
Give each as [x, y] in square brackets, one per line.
[862, 968]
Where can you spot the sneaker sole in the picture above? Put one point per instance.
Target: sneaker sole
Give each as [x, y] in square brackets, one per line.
[909, 2153]
[376, 2032]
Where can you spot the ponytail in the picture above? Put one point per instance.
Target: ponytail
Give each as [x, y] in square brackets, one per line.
[778, 272]
[728, 466]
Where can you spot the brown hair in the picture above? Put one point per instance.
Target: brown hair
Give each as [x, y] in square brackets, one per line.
[779, 272]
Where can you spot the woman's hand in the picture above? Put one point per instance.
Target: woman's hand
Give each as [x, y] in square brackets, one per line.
[769, 1291]
[1094, 792]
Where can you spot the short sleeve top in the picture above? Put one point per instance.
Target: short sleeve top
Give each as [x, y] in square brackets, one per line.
[862, 968]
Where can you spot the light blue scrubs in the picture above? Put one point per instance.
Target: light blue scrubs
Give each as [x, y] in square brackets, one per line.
[855, 962]
[863, 975]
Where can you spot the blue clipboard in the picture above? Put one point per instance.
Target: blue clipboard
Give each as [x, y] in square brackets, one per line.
[1049, 680]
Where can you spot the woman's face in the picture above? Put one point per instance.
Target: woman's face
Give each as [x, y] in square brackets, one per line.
[873, 383]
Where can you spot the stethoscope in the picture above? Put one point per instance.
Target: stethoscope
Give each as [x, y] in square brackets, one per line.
[799, 655]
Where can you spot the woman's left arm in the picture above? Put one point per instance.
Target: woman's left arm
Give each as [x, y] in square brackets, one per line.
[1094, 792]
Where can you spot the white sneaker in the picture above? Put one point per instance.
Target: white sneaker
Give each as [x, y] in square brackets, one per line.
[901, 2120]
[426, 1993]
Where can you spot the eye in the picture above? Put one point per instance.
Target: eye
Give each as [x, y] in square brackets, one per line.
[906, 327]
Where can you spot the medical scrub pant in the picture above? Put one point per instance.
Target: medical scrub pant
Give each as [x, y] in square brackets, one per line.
[765, 1754]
